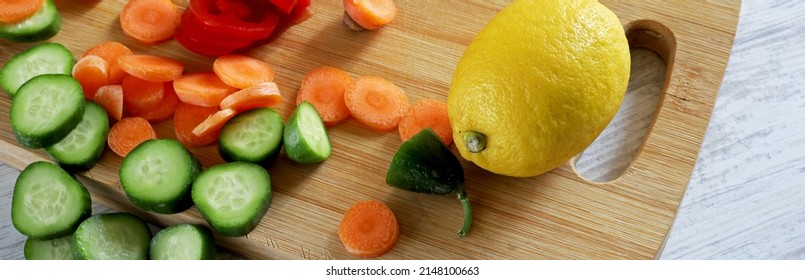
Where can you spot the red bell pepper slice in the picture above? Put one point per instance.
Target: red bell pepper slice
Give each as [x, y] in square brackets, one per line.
[284, 6]
[258, 24]
[196, 39]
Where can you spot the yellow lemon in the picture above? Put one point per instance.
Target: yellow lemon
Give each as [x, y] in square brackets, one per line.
[538, 84]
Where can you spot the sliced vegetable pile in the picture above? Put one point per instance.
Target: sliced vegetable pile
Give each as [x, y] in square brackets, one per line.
[111, 96]
[26, 21]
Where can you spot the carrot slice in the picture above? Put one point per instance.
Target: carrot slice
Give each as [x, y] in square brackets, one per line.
[186, 118]
[151, 68]
[376, 102]
[213, 124]
[242, 71]
[111, 51]
[324, 88]
[369, 229]
[14, 11]
[141, 95]
[202, 89]
[427, 113]
[259, 96]
[370, 14]
[110, 97]
[92, 73]
[165, 109]
[150, 21]
[126, 134]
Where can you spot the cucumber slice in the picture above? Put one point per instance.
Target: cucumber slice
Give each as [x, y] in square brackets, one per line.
[51, 249]
[233, 197]
[84, 145]
[253, 136]
[42, 25]
[183, 242]
[45, 58]
[46, 109]
[47, 202]
[305, 137]
[157, 176]
[112, 236]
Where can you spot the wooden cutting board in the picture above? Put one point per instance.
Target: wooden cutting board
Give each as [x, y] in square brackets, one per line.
[558, 215]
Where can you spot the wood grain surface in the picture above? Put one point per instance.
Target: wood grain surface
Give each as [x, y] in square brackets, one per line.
[557, 215]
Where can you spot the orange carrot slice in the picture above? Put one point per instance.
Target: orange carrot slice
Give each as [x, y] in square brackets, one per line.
[369, 229]
[14, 11]
[92, 73]
[214, 123]
[202, 89]
[111, 51]
[127, 133]
[427, 113]
[163, 111]
[150, 21]
[259, 96]
[141, 95]
[376, 102]
[324, 88]
[242, 71]
[186, 118]
[110, 97]
[371, 14]
[151, 68]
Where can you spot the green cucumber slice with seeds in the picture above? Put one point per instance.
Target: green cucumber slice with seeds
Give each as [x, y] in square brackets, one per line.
[84, 145]
[42, 25]
[253, 136]
[183, 242]
[45, 58]
[112, 236]
[233, 197]
[51, 249]
[157, 176]
[47, 202]
[46, 109]
[305, 138]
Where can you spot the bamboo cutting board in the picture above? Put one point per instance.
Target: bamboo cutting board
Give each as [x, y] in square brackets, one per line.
[558, 215]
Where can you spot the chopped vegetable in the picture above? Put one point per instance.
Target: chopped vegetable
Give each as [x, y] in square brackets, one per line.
[92, 72]
[186, 118]
[46, 109]
[260, 96]
[376, 102]
[112, 236]
[111, 51]
[183, 242]
[369, 229]
[111, 99]
[368, 14]
[43, 24]
[163, 111]
[141, 95]
[151, 68]
[44, 58]
[427, 113]
[129, 132]
[49, 249]
[324, 87]
[242, 71]
[305, 137]
[17, 10]
[253, 136]
[202, 89]
[150, 21]
[84, 145]
[424, 164]
[212, 125]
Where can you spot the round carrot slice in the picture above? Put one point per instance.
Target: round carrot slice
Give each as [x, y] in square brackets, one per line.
[110, 97]
[150, 21]
[127, 133]
[369, 229]
[141, 95]
[202, 89]
[242, 71]
[163, 111]
[111, 51]
[92, 73]
[376, 102]
[186, 118]
[14, 11]
[151, 68]
[324, 88]
[371, 14]
[427, 113]
[214, 123]
[259, 96]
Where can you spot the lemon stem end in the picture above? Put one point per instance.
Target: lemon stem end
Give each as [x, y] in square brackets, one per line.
[476, 142]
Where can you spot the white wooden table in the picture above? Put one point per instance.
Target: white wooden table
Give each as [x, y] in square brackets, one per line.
[746, 196]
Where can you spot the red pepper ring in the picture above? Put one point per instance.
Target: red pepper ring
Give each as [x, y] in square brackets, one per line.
[229, 23]
[193, 38]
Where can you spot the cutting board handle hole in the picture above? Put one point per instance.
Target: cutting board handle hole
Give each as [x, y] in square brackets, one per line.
[612, 153]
